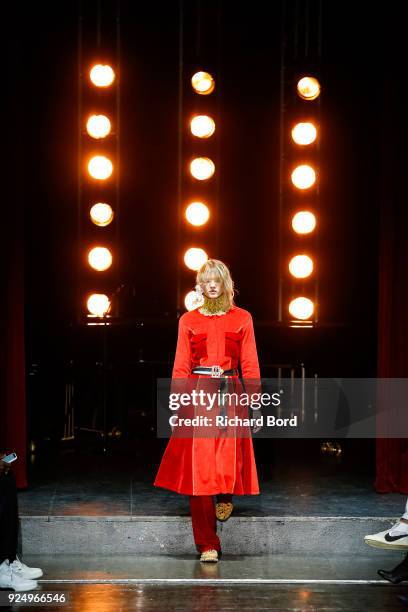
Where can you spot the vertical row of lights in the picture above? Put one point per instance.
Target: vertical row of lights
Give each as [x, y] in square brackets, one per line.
[100, 169]
[202, 169]
[304, 178]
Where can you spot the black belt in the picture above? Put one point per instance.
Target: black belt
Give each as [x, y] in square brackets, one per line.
[214, 371]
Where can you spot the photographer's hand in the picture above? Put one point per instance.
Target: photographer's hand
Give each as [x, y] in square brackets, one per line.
[4, 468]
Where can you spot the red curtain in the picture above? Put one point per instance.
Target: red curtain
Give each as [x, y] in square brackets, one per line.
[392, 454]
[13, 412]
[16, 191]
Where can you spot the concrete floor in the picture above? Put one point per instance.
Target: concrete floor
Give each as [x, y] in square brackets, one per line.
[200, 598]
[113, 584]
[236, 568]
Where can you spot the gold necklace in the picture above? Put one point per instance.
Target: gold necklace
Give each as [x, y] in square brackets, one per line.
[215, 306]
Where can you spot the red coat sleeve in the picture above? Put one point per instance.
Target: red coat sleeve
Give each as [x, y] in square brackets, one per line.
[249, 355]
[182, 361]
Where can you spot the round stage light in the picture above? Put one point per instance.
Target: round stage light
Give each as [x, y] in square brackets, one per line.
[304, 222]
[301, 266]
[98, 304]
[194, 258]
[202, 126]
[301, 308]
[303, 177]
[98, 126]
[202, 168]
[100, 258]
[304, 133]
[190, 301]
[197, 213]
[101, 214]
[102, 75]
[203, 83]
[308, 88]
[100, 167]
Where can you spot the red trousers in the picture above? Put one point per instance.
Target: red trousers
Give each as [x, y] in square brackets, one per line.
[204, 521]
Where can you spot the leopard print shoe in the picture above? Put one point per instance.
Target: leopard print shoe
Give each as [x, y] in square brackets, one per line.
[223, 511]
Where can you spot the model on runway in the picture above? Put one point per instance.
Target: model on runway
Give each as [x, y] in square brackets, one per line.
[214, 339]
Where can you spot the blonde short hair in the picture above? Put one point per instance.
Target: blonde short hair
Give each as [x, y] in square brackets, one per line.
[218, 269]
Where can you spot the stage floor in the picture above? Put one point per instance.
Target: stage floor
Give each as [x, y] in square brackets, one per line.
[85, 483]
[108, 597]
[278, 582]
[85, 502]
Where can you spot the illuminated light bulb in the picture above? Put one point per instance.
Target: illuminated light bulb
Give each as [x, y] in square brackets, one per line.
[304, 222]
[101, 214]
[100, 258]
[301, 266]
[102, 75]
[202, 126]
[194, 258]
[304, 133]
[100, 167]
[98, 126]
[202, 168]
[203, 83]
[303, 177]
[98, 304]
[197, 213]
[308, 88]
[190, 301]
[301, 308]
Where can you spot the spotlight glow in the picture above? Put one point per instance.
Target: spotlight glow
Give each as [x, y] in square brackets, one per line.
[304, 133]
[203, 83]
[303, 177]
[100, 167]
[308, 88]
[301, 308]
[304, 222]
[301, 266]
[202, 168]
[197, 213]
[190, 301]
[98, 126]
[202, 126]
[101, 214]
[102, 75]
[100, 258]
[194, 258]
[98, 304]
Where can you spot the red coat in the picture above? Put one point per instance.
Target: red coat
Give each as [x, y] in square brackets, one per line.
[207, 466]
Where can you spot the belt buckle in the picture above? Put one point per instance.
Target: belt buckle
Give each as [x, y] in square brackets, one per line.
[216, 371]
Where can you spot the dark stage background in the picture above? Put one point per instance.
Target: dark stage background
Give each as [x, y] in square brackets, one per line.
[362, 116]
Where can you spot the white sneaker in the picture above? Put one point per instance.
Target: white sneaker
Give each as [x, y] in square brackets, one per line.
[9, 580]
[23, 571]
[395, 538]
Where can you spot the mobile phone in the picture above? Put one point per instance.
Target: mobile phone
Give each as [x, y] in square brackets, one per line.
[9, 458]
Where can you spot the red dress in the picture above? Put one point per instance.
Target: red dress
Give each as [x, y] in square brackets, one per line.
[208, 466]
